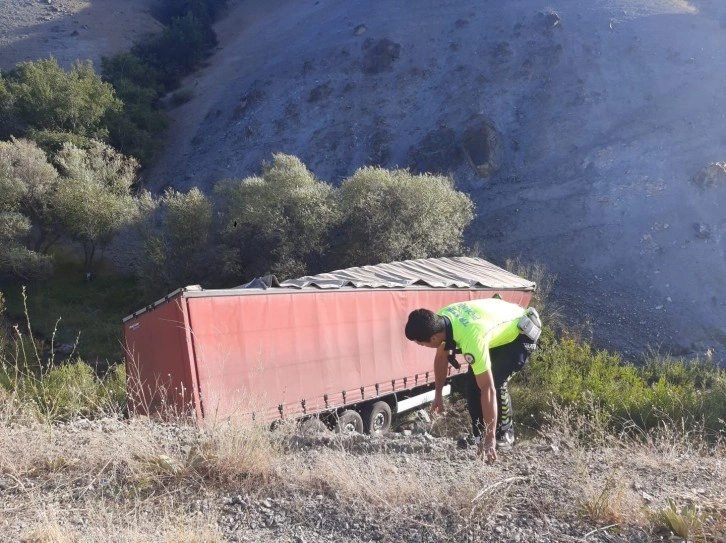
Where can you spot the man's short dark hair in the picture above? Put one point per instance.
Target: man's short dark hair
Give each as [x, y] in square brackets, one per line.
[422, 324]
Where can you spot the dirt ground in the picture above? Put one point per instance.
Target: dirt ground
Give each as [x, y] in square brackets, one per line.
[137, 481]
[600, 117]
[71, 30]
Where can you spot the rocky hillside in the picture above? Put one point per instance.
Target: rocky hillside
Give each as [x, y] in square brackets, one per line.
[582, 131]
[71, 29]
[588, 133]
[138, 481]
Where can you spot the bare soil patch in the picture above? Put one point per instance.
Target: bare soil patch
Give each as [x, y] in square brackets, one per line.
[71, 30]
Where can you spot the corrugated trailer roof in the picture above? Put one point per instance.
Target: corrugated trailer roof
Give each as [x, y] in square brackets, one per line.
[459, 272]
[447, 272]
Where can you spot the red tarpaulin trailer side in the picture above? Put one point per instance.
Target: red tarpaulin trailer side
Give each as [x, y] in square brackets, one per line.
[281, 353]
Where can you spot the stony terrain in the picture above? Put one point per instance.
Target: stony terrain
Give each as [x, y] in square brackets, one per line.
[71, 30]
[119, 481]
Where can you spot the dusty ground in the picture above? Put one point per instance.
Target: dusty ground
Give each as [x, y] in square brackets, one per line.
[599, 117]
[136, 481]
[70, 30]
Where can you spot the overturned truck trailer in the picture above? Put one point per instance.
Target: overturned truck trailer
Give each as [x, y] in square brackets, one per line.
[329, 345]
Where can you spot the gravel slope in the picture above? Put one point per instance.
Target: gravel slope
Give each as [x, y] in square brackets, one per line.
[70, 30]
[120, 481]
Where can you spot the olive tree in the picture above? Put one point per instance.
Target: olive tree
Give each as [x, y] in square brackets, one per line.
[25, 180]
[94, 198]
[177, 239]
[279, 222]
[57, 105]
[6, 100]
[24, 166]
[16, 260]
[395, 215]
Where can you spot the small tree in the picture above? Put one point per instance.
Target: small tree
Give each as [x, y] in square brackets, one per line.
[179, 251]
[52, 102]
[279, 222]
[16, 260]
[395, 215]
[25, 168]
[18, 164]
[94, 198]
[6, 118]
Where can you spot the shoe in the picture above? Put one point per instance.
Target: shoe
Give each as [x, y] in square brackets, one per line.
[505, 440]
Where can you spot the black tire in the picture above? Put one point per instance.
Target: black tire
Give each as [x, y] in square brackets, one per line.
[349, 421]
[377, 418]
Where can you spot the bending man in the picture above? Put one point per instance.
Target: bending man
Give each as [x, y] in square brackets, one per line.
[496, 339]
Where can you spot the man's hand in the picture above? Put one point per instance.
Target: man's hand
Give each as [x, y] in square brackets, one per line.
[437, 406]
[487, 449]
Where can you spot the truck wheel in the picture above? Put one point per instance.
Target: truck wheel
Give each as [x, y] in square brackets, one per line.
[377, 418]
[349, 421]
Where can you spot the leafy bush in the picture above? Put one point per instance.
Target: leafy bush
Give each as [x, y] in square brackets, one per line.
[28, 182]
[95, 199]
[21, 263]
[204, 10]
[180, 251]
[622, 397]
[7, 127]
[49, 100]
[279, 222]
[25, 179]
[32, 384]
[135, 130]
[395, 215]
[178, 50]
[65, 391]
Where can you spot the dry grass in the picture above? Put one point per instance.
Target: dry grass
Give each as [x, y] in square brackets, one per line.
[113, 524]
[138, 480]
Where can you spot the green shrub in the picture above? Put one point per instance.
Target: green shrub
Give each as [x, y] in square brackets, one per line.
[279, 222]
[135, 130]
[47, 98]
[179, 251]
[178, 50]
[622, 397]
[395, 215]
[95, 198]
[65, 391]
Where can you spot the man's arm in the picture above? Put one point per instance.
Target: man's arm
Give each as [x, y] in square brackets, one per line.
[441, 367]
[489, 414]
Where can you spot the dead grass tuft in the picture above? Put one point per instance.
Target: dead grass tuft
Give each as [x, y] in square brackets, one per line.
[608, 501]
[50, 532]
[237, 451]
